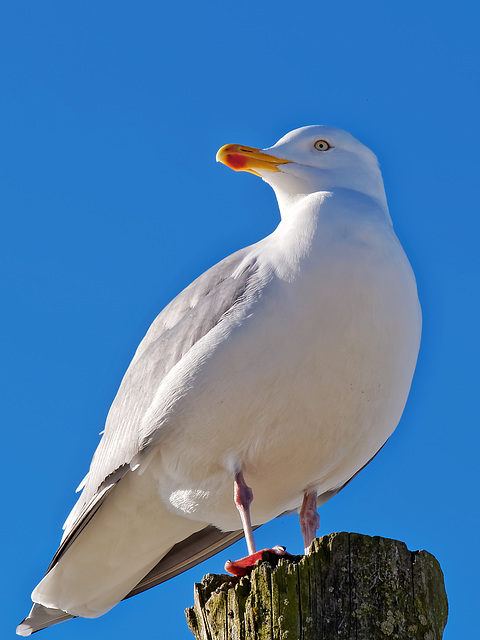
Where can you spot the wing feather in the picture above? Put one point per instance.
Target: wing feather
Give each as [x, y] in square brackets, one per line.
[187, 319]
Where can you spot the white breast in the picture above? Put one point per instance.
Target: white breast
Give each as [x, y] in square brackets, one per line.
[312, 382]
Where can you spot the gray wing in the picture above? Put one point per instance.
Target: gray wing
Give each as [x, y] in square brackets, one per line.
[236, 281]
[187, 319]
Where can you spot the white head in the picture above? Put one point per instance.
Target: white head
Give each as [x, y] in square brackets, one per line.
[308, 160]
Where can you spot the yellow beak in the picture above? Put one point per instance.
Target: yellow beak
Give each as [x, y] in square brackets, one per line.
[240, 158]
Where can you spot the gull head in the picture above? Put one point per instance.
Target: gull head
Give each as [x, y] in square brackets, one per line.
[308, 160]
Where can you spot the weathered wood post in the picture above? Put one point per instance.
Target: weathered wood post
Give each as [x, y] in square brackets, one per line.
[350, 587]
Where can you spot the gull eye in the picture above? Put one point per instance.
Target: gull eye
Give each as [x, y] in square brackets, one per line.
[321, 145]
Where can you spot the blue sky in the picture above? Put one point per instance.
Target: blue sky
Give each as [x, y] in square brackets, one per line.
[111, 203]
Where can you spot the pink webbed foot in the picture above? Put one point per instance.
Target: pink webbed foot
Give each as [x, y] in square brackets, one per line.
[245, 565]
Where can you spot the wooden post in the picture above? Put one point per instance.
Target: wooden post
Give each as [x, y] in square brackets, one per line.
[350, 587]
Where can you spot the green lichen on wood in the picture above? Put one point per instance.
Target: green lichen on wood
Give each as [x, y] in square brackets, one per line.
[350, 587]
[285, 597]
[431, 605]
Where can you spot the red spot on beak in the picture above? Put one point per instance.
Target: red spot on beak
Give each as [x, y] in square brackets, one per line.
[236, 161]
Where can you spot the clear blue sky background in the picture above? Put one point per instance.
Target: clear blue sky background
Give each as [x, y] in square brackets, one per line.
[111, 202]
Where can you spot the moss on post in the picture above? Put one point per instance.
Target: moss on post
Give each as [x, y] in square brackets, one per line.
[350, 587]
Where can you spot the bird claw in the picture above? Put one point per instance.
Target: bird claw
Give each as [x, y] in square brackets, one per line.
[244, 566]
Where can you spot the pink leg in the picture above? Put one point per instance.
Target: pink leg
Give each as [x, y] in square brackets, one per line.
[243, 496]
[309, 518]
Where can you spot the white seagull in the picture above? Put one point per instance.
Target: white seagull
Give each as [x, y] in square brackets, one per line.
[276, 375]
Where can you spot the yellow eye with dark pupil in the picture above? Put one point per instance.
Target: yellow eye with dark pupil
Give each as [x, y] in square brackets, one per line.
[321, 145]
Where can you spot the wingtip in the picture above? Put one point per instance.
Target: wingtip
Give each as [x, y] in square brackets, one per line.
[41, 617]
[24, 629]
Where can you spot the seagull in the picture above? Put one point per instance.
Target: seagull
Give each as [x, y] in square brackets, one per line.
[262, 389]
